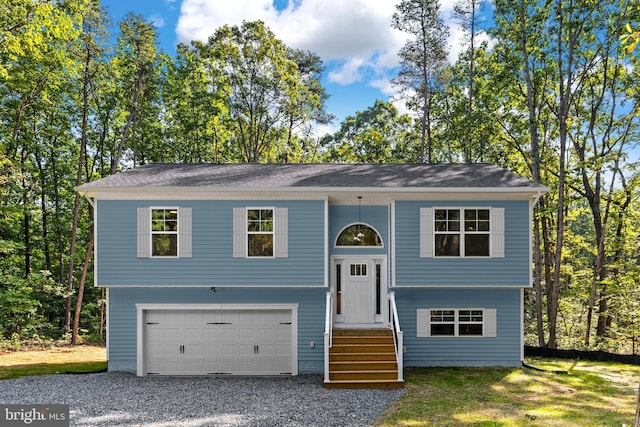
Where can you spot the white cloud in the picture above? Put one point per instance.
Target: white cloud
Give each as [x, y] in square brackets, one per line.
[355, 33]
[385, 86]
[347, 73]
[354, 38]
[157, 21]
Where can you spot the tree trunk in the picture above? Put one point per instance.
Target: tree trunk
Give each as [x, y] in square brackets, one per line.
[76, 200]
[44, 214]
[596, 279]
[58, 214]
[26, 226]
[102, 314]
[565, 81]
[83, 278]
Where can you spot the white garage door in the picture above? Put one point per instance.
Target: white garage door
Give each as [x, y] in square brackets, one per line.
[218, 342]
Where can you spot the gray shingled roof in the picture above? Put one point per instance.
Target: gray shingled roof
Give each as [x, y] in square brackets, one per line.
[325, 175]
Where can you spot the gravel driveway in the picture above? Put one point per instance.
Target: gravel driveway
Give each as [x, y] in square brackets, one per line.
[122, 399]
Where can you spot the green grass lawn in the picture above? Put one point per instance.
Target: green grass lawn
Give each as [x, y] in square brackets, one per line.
[587, 394]
[57, 360]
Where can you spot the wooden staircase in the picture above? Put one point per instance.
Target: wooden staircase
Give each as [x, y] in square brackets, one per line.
[363, 358]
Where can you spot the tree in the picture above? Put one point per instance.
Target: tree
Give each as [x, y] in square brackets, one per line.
[377, 135]
[308, 107]
[262, 87]
[421, 61]
[137, 71]
[468, 12]
[521, 28]
[194, 110]
[90, 49]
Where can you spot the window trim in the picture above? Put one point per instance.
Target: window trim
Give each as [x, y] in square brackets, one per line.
[176, 233]
[462, 233]
[489, 322]
[248, 233]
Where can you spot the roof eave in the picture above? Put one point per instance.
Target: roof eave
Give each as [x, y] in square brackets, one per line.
[93, 191]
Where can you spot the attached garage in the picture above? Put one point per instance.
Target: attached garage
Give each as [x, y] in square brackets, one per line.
[217, 339]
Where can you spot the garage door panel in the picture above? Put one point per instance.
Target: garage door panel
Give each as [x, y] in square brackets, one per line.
[166, 349]
[196, 349]
[174, 316]
[194, 367]
[173, 333]
[193, 332]
[211, 348]
[283, 350]
[155, 316]
[266, 333]
[155, 333]
[206, 342]
[246, 333]
[267, 349]
[210, 333]
[212, 316]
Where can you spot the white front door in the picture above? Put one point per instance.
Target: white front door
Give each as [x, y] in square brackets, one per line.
[359, 287]
[358, 292]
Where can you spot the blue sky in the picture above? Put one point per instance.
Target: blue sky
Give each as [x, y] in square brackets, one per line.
[354, 38]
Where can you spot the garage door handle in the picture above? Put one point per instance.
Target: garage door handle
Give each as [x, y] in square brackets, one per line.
[181, 349]
[285, 323]
[218, 323]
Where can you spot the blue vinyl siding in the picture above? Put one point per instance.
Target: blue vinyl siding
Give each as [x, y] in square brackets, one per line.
[212, 262]
[122, 317]
[375, 216]
[503, 350]
[510, 271]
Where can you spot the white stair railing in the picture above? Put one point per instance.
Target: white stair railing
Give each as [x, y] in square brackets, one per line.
[328, 334]
[397, 333]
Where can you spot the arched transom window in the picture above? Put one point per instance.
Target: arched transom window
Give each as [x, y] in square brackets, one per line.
[358, 235]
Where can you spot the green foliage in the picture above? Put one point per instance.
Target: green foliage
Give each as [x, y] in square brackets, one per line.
[23, 313]
[377, 135]
[422, 61]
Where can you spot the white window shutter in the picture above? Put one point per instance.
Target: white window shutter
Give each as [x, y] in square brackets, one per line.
[426, 232]
[239, 233]
[497, 232]
[490, 323]
[144, 233]
[422, 323]
[281, 232]
[184, 232]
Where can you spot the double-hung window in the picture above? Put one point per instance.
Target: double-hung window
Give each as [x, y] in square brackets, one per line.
[260, 232]
[164, 232]
[456, 322]
[462, 232]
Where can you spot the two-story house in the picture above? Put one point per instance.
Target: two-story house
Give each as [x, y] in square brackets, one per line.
[349, 270]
